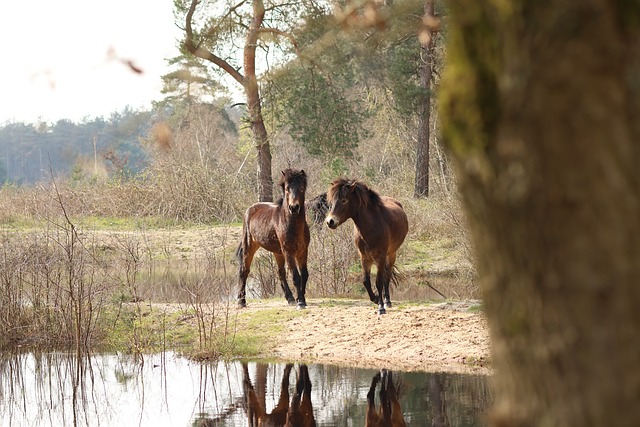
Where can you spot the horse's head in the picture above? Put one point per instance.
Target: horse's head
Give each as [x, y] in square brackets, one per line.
[294, 185]
[344, 198]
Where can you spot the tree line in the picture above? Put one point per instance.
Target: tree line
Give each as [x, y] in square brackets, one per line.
[32, 153]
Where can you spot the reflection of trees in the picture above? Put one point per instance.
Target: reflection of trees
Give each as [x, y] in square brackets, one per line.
[456, 400]
[435, 385]
[58, 377]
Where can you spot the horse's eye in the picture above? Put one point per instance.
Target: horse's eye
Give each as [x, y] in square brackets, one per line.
[344, 201]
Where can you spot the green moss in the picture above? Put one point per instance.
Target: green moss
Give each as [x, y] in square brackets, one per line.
[469, 94]
[628, 12]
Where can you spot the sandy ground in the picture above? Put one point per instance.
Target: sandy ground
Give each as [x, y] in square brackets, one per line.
[445, 337]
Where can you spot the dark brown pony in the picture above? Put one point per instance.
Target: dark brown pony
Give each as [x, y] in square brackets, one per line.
[280, 228]
[380, 228]
[390, 412]
[298, 413]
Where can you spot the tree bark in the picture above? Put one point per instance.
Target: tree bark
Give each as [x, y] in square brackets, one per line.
[249, 82]
[540, 107]
[421, 187]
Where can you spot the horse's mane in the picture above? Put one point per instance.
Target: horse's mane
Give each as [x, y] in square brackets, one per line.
[292, 176]
[319, 206]
[364, 195]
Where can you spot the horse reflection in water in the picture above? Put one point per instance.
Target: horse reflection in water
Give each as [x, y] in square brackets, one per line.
[298, 413]
[390, 413]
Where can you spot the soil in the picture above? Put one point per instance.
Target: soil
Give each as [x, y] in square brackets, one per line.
[445, 337]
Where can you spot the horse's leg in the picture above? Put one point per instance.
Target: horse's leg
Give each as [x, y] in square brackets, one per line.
[397, 418]
[391, 260]
[385, 401]
[245, 257]
[306, 406]
[282, 274]
[381, 279]
[372, 418]
[279, 413]
[297, 281]
[366, 281]
[301, 284]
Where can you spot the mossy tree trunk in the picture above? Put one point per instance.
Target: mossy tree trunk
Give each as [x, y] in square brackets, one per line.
[541, 111]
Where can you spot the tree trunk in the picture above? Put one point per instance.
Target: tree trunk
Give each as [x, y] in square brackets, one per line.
[421, 188]
[261, 140]
[540, 106]
[250, 83]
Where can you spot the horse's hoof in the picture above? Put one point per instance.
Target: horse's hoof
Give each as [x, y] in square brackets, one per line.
[291, 302]
[242, 304]
[301, 306]
[381, 311]
[387, 304]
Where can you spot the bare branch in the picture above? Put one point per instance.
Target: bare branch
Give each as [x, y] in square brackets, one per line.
[204, 53]
[212, 30]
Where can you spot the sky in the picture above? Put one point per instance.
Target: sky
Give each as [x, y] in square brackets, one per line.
[72, 59]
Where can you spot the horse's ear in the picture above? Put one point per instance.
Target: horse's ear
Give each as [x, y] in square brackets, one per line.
[282, 172]
[302, 172]
[352, 185]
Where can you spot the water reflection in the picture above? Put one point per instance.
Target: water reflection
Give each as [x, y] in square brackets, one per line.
[297, 413]
[45, 389]
[389, 414]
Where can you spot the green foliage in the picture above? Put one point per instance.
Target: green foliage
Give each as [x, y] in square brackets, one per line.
[402, 65]
[317, 97]
[319, 115]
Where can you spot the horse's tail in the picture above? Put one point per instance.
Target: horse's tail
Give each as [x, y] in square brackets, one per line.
[245, 240]
[395, 276]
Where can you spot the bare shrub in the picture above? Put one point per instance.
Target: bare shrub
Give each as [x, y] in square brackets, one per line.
[52, 290]
[332, 254]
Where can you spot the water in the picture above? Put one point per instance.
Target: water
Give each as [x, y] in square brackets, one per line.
[60, 389]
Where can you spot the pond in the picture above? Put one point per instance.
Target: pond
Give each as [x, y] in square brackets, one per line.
[165, 389]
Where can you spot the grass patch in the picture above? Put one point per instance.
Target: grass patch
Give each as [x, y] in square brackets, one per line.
[476, 308]
[142, 328]
[258, 330]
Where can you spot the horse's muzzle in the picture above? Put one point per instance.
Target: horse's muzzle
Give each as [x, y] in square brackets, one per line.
[294, 209]
[332, 223]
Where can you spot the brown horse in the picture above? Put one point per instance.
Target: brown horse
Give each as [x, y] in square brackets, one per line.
[390, 412]
[380, 228]
[280, 228]
[298, 413]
